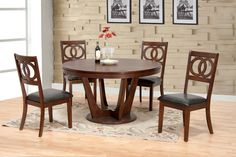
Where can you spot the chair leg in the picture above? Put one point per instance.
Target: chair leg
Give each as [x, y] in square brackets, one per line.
[70, 87]
[50, 114]
[161, 115]
[24, 114]
[41, 122]
[64, 83]
[140, 93]
[150, 98]
[186, 125]
[69, 112]
[208, 117]
[183, 117]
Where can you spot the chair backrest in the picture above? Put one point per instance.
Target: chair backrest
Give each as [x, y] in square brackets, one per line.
[28, 72]
[202, 67]
[155, 51]
[72, 50]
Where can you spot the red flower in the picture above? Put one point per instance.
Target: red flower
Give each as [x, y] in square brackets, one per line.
[105, 29]
[100, 35]
[106, 33]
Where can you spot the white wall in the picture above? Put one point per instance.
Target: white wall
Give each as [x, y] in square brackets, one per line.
[40, 38]
[47, 42]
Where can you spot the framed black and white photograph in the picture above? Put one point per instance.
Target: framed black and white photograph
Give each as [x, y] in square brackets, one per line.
[185, 12]
[151, 11]
[119, 11]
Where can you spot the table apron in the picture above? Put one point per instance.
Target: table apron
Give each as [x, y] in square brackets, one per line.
[111, 75]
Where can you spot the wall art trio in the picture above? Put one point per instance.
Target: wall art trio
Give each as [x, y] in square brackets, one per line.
[152, 11]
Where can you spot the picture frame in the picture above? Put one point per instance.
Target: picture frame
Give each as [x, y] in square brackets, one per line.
[118, 11]
[151, 11]
[185, 12]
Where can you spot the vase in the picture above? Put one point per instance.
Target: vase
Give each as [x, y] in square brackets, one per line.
[108, 52]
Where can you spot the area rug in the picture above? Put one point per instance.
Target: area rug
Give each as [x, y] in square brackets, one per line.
[145, 127]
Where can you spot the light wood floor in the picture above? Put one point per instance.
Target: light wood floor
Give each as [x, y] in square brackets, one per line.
[55, 144]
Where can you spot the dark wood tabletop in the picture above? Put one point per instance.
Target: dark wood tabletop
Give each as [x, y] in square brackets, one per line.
[124, 69]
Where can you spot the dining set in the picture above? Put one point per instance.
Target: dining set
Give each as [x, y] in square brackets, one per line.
[147, 71]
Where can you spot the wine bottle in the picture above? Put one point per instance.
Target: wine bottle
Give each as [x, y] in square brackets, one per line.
[97, 53]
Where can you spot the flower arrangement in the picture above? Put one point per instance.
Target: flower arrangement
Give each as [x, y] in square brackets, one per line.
[106, 33]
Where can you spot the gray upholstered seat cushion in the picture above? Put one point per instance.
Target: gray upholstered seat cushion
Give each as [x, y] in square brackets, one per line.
[72, 78]
[150, 79]
[181, 98]
[49, 95]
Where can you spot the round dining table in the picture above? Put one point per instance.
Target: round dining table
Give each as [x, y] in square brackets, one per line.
[122, 69]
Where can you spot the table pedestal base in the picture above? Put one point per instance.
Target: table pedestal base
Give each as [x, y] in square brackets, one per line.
[112, 120]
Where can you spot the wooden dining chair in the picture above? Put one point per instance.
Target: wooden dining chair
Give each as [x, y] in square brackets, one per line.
[28, 72]
[156, 52]
[73, 50]
[201, 68]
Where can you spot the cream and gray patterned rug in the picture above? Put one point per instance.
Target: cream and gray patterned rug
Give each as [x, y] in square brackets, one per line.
[145, 127]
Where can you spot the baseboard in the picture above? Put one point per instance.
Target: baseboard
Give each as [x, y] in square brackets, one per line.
[79, 87]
